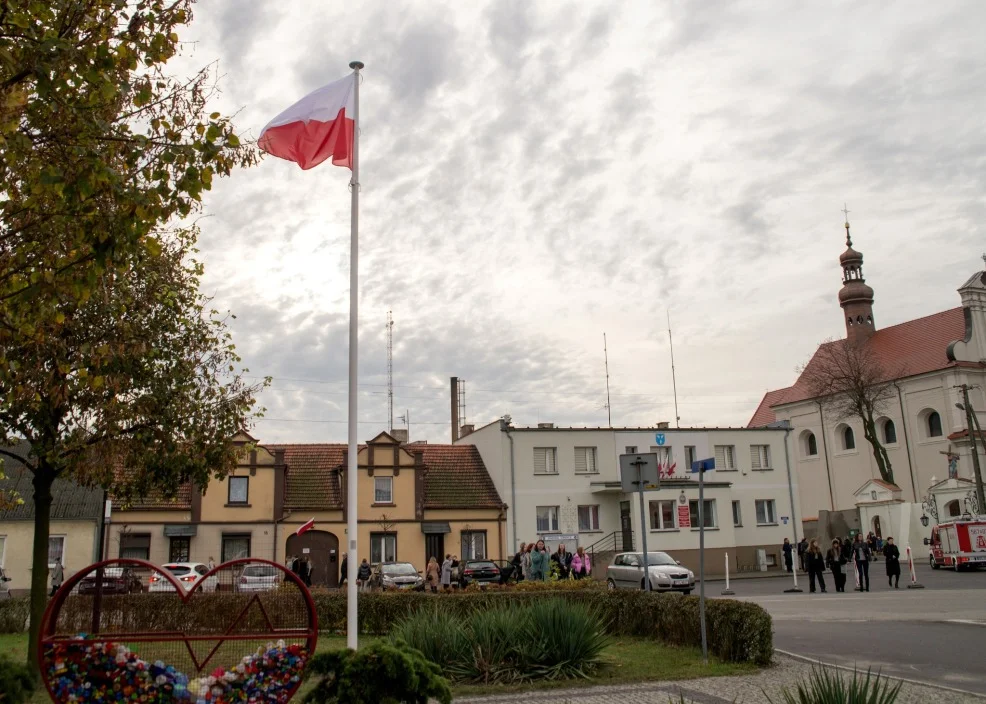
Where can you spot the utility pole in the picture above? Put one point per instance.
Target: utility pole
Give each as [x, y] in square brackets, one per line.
[609, 410]
[973, 425]
[674, 382]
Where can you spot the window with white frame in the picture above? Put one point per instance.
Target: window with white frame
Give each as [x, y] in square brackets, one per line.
[766, 512]
[56, 550]
[383, 548]
[383, 490]
[662, 515]
[709, 513]
[545, 460]
[547, 519]
[663, 453]
[759, 457]
[737, 515]
[725, 458]
[473, 545]
[588, 518]
[585, 460]
[689, 456]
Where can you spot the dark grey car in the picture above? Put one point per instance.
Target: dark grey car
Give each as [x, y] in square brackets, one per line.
[666, 574]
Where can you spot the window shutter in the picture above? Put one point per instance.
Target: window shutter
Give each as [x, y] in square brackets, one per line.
[581, 457]
[721, 457]
[540, 461]
[755, 457]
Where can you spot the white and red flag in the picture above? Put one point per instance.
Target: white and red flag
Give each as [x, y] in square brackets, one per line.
[320, 126]
[305, 527]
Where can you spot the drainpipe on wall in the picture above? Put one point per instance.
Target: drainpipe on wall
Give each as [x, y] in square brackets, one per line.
[786, 425]
[505, 427]
[825, 449]
[907, 443]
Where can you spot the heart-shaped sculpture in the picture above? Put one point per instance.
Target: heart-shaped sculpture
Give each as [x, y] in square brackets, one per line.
[129, 631]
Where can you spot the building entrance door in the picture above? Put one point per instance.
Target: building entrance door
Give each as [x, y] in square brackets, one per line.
[322, 550]
[434, 547]
[626, 526]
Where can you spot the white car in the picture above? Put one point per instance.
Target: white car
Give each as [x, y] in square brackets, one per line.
[188, 575]
[259, 578]
[666, 573]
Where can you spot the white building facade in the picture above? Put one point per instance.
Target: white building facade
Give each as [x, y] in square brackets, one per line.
[562, 485]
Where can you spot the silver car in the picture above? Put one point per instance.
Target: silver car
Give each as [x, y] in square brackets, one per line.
[666, 573]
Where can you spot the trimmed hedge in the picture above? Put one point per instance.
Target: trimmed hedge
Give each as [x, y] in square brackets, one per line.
[737, 631]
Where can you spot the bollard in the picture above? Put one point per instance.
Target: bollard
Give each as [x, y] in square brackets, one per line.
[795, 589]
[910, 566]
[727, 591]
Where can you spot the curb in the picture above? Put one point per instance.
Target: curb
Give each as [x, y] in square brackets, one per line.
[922, 683]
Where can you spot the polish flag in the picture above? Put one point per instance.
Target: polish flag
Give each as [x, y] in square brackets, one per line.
[305, 528]
[317, 127]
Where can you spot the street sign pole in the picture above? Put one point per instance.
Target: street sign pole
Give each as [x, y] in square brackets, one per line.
[639, 473]
[643, 527]
[701, 561]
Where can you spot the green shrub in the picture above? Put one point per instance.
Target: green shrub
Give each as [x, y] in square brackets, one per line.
[540, 639]
[381, 673]
[14, 615]
[830, 687]
[16, 682]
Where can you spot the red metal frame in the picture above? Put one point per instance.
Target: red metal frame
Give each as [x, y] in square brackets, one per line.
[48, 637]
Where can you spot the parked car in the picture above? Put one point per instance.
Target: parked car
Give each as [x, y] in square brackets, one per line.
[116, 580]
[259, 578]
[481, 571]
[666, 573]
[506, 570]
[188, 575]
[400, 576]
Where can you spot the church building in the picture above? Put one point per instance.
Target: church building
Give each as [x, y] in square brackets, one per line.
[922, 425]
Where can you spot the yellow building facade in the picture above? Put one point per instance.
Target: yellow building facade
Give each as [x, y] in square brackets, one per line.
[416, 501]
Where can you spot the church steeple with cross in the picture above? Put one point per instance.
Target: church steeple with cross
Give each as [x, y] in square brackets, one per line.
[855, 297]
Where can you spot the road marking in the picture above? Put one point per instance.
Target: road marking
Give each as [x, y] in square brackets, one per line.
[967, 621]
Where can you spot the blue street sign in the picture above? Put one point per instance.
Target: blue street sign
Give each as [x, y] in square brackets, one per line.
[659, 438]
[703, 465]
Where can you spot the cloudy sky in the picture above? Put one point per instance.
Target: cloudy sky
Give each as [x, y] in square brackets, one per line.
[537, 174]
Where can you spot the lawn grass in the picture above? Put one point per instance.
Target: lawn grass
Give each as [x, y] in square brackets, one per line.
[627, 660]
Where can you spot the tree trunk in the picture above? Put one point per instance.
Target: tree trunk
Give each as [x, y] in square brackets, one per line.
[44, 477]
[879, 451]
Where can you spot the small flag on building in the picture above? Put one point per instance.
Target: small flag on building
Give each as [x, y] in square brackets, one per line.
[318, 127]
[305, 527]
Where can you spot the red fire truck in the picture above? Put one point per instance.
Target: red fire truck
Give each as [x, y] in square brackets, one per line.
[958, 544]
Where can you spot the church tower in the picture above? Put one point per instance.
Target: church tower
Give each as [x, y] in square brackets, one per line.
[855, 297]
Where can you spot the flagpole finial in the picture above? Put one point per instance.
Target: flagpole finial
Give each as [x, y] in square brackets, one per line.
[356, 65]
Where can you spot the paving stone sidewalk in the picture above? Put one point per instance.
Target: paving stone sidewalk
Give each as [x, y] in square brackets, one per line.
[746, 689]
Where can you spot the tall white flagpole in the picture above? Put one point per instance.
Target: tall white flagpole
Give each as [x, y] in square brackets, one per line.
[352, 478]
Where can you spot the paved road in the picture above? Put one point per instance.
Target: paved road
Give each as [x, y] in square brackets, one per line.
[935, 634]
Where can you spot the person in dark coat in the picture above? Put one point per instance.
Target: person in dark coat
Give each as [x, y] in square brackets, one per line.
[892, 553]
[835, 559]
[563, 559]
[344, 569]
[861, 554]
[802, 549]
[788, 550]
[815, 564]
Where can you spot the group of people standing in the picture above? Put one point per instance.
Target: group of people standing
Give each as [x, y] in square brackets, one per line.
[301, 566]
[836, 558]
[533, 562]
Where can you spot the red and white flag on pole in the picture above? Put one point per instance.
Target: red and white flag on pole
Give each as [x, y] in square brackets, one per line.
[305, 527]
[317, 127]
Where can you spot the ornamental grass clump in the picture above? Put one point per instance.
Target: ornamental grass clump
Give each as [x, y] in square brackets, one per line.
[547, 639]
[826, 686]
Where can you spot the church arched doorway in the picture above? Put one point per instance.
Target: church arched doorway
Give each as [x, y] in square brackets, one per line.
[876, 527]
[322, 550]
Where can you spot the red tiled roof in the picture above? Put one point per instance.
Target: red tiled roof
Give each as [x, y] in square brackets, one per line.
[456, 478]
[312, 475]
[886, 485]
[157, 500]
[911, 348]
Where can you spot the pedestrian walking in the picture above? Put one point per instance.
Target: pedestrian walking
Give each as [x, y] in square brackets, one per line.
[788, 550]
[540, 562]
[835, 559]
[363, 576]
[525, 561]
[861, 555]
[211, 563]
[57, 576]
[344, 569]
[892, 554]
[433, 574]
[815, 563]
[802, 549]
[581, 564]
[447, 573]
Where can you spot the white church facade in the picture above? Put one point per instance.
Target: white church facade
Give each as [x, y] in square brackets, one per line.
[925, 433]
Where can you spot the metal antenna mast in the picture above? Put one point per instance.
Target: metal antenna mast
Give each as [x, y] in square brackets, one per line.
[390, 369]
[674, 383]
[609, 410]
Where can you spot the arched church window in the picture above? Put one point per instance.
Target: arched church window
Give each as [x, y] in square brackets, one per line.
[952, 508]
[934, 425]
[810, 444]
[889, 432]
[848, 439]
